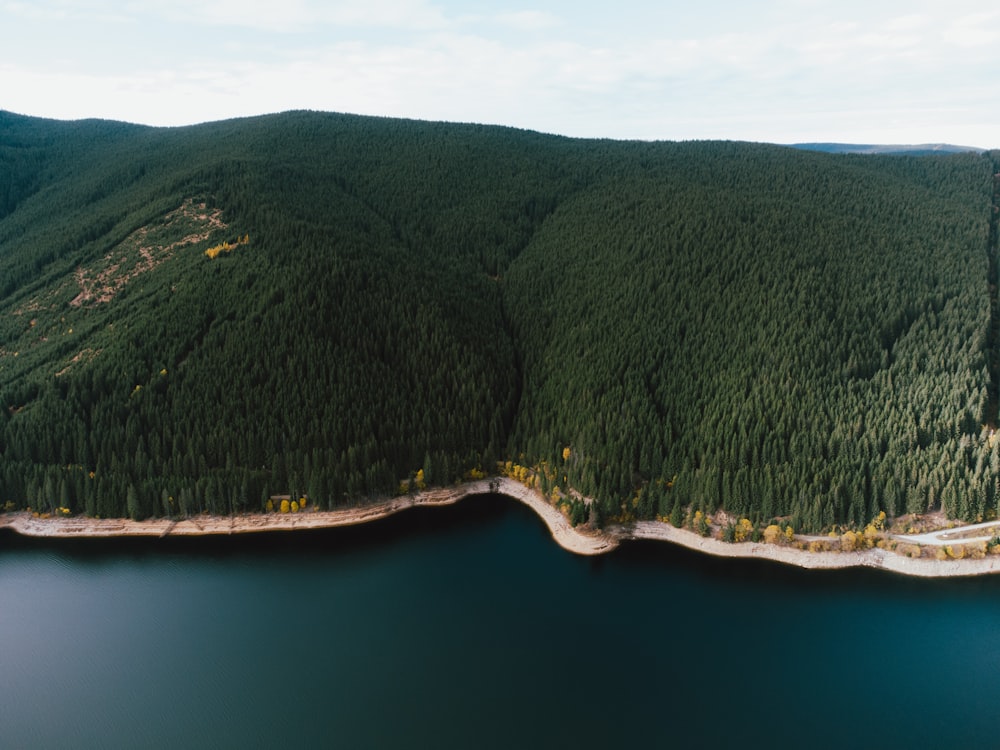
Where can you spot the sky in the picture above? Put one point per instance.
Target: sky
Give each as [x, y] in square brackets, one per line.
[785, 71]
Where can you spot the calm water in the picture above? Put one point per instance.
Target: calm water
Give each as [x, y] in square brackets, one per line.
[468, 627]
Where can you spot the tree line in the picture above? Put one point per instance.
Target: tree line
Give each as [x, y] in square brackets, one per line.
[776, 333]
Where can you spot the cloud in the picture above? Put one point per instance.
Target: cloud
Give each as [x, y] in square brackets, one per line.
[975, 30]
[35, 11]
[782, 76]
[286, 16]
[289, 16]
[909, 22]
[63, 11]
[528, 20]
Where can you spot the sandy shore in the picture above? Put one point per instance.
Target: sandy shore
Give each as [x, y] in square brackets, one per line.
[574, 540]
[869, 558]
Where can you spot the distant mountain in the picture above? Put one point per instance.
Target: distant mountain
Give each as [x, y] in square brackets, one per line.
[923, 149]
[335, 307]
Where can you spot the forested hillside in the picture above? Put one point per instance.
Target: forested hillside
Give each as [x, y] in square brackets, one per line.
[755, 328]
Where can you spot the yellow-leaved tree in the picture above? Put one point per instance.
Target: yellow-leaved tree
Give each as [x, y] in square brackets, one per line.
[772, 534]
[743, 530]
[848, 541]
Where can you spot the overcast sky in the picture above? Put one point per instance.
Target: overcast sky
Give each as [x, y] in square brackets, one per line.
[879, 71]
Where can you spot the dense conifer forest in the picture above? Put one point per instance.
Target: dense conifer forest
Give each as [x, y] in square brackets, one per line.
[328, 306]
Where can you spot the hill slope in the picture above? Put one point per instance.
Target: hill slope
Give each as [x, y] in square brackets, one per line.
[770, 331]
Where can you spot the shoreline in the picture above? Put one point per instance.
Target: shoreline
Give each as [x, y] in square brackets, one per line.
[876, 558]
[575, 540]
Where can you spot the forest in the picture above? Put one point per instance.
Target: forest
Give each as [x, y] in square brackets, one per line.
[335, 307]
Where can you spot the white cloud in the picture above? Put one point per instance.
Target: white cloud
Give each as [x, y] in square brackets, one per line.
[291, 16]
[63, 11]
[787, 75]
[975, 30]
[909, 22]
[528, 20]
[33, 11]
[286, 16]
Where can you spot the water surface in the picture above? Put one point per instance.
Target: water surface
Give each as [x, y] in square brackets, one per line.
[469, 627]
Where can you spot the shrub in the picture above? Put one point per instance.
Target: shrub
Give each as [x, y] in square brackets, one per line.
[848, 541]
[772, 534]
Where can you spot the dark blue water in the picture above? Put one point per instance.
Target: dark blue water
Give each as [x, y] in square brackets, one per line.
[468, 627]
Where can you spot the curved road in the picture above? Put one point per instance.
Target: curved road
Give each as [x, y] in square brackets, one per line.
[958, 535]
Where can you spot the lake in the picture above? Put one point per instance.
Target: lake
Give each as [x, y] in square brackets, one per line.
[469, 627]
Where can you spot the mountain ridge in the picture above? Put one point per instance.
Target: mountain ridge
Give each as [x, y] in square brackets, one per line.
[922, 149]
[694, 326]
